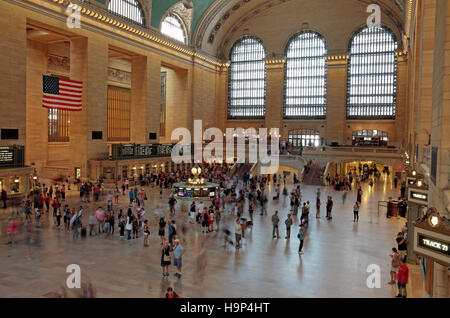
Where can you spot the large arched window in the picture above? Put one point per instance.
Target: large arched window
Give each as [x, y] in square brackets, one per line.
[247, 80]
[305, 87]
[172, 26]
[372, 74]
[128, 9]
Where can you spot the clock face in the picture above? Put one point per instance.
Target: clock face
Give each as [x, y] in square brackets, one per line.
[434, 220]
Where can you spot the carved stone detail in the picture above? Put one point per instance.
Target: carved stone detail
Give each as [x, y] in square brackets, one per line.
[57, 63]
[119, 76]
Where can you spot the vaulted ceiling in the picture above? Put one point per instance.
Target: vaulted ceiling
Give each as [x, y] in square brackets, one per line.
[218, 23]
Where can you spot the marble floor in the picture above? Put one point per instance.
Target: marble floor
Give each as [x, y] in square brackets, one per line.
[337, 255]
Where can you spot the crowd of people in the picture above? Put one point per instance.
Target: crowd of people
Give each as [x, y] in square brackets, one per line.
[236, 193]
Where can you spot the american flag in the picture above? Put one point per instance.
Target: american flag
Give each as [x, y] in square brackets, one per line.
[62, 93]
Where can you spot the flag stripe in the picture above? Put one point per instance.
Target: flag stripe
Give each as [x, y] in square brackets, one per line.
[62, 107]
[62, 80]
[68, 98]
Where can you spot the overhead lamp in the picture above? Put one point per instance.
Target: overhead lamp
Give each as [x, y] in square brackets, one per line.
[419, 183]
[16, 180]
[414, 173]
[35, 178]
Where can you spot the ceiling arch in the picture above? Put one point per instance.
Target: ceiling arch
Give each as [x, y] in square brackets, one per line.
[227, 20]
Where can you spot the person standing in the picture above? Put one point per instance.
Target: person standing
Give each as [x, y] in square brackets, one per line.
[318, 208]
[100, 216]
[122, 227]
[165, 258]
[275, 221]
[288, 223]
[129, 225]
[162, 229]
[301, 237]
[402, 278]
[402, 244]
[146, 233]
[356, 212]
[395, 264]
[92, 222]
[329, 207]
[178, 252]
[131, 196]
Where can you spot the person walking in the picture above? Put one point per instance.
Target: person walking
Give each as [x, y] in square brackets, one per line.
[4, 197]
[359, 195]
[178, 252]
[275, 221]
[301, 238]
[402, 278]
[288, 223]
[356, 212]
[238, 232]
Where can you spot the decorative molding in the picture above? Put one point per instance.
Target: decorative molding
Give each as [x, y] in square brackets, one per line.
[103, 20]
[57, 63]
[119, 76]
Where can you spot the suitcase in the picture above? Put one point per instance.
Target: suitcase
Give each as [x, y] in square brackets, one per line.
[83, 232]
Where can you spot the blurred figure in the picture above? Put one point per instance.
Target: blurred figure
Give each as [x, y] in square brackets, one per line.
[11, 229]
[171, 293]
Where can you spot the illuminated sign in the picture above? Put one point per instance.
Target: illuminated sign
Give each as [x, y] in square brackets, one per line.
[433, 244]
[420, 196]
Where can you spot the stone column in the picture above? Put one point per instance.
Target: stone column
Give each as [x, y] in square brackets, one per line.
[37, 116]
[138, 132]
[337, 101]
[13, 45]
[274, 93]
[78, 120]
[153, 95]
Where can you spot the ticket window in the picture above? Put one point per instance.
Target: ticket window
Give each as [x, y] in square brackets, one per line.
[14, 184]
[2, 184]
[125, 172]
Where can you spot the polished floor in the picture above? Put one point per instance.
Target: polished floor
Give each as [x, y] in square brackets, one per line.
[337, 255]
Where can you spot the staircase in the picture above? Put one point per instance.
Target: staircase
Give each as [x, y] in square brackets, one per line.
[314, 177]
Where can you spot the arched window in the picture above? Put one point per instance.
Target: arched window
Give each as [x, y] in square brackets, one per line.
[128, 9]
[305, 87]
[372, 74]
[172, 26]
[247, 79]
[304, 137]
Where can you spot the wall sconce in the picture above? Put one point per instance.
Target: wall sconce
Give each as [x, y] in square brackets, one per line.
[16, 180]
[419, 183]
[34, 178]
[414, 173]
